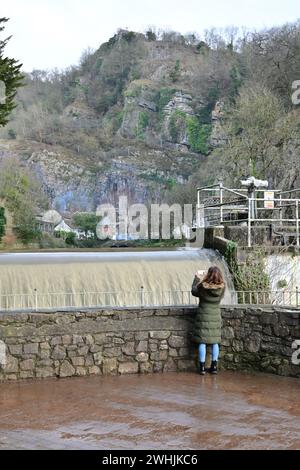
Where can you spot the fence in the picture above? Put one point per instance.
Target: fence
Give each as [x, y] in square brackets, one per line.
[218, 205]
[141, 298]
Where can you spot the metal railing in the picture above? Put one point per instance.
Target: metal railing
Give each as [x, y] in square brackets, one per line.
[276, 297]
[218, 205]
[103, 299]
[141, 298]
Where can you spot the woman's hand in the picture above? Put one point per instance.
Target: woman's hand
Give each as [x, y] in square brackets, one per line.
[199, 274]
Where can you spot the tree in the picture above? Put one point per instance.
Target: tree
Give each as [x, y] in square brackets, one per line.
[86, 222]
[23, 196]
[175, 72]
[12, 78]
[252, 134]
[2, 222]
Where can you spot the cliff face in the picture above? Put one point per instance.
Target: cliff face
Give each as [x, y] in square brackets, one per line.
[131, 120]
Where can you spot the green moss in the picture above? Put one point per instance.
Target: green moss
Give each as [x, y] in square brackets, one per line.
[162, 98]
[143, 123]
[198, 135]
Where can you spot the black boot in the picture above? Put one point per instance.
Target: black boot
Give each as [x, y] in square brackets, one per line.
[202, 368]
[213, 368]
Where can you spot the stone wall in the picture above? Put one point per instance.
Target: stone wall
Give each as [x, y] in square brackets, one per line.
[65, 344]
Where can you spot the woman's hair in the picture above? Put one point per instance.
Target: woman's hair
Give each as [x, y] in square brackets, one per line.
[214, 276]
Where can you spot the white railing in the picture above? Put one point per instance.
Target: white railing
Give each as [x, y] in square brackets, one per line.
[276, 297]
[218, 205]
[84, 299]
[141, 298]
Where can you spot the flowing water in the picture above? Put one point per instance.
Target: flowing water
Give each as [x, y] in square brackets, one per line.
[46, 280]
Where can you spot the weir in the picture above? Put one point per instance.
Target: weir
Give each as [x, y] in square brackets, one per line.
[46, 280]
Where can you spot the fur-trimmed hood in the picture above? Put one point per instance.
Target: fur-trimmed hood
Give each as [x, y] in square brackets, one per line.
[207, 285]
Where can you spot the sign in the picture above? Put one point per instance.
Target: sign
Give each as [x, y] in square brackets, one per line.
[269, 199]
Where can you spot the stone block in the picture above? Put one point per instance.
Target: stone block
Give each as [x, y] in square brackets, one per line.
[129, 349]
[252, 344]
[109, 366]
[170, 366]
[142, 346]
[141, 335]
[15, 349]
[26, 374]
[146, 367]
[96, 348]
[94, 370]
[77, 361]
[159, 334]
[157, 366]
[81, 371]
[112, 352]
[45, 372]
[89, 360]
[228, 332]
[129, 368]
[31, 348]
[83, 350]
[77, 339]
[56, 340]
[173, 352]
[153, 347]
[89, 340]
[66, 369]
[11, 365]
[98, 358]
[177, 341]
[28, 364]
[66, 339]
[58, 353]
[142, 357]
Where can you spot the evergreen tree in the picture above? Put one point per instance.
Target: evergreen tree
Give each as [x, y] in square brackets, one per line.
[10, 76]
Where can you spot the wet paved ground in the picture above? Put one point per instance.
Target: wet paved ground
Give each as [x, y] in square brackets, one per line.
[169, 411]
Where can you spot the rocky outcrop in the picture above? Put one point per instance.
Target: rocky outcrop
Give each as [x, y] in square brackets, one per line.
[180, 102]
[73, 184]
[217, 136]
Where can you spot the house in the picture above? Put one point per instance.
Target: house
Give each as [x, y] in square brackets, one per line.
[48, 221]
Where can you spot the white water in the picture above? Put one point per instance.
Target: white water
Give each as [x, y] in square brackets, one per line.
[37, 274]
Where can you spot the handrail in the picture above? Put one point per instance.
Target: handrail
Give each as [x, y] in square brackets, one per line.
[138, 298]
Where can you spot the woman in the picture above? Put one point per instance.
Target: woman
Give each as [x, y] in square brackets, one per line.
[207, 328]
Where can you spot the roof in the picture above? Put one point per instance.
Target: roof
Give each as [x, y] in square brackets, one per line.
[52, 217]
[63, 227]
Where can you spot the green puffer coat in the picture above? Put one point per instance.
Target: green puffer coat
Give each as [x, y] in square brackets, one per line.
[208, 321]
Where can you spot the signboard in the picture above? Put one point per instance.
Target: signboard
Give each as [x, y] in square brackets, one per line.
[269, 199]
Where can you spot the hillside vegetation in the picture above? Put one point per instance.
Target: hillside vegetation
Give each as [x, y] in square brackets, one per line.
[150, 114]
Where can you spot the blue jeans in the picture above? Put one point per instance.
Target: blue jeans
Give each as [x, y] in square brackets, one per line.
[214, 352]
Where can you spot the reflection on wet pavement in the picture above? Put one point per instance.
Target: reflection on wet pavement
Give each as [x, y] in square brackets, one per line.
[162, 411]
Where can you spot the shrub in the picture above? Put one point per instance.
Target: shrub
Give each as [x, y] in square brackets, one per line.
[175, 72]
[12, 134]
[70, 238]
[2, 222]
[198, 135]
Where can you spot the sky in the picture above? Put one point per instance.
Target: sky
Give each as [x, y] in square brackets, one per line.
[53, 33]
